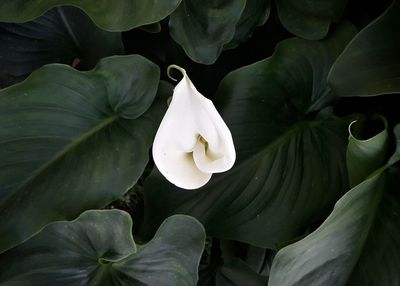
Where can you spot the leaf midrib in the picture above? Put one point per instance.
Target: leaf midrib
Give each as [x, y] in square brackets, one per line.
[285, 137]
[68, 148]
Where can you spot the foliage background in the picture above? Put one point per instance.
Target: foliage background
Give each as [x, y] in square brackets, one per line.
[308, 88]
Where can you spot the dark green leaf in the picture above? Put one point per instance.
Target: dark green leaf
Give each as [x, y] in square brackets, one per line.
[62, 35]
[152, 28]
[370, 64]
[202, 28]
[290, 165]
[357, 245]
[118, 15]
[98, 249]
[260, 259]
[73, 140]
[365, 155]
[238, 273]
[256, 13]
[396, 156]
[229, 263]
[309, 19]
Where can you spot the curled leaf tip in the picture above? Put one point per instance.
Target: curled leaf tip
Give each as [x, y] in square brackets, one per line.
[193, 141]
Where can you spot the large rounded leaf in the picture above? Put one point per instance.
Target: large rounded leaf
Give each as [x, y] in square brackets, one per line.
[309, 19]
[73, 140]
[357, 245]
[98, 249]
[62, 35]
[370, 64]
[117, 15]
[291, 165]
[202, 27]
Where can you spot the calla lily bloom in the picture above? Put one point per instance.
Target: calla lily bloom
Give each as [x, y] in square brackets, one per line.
[193, 141]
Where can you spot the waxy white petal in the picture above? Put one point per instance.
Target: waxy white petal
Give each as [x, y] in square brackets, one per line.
[193, 141]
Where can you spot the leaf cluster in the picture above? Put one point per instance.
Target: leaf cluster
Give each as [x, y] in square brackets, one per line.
[308, 89]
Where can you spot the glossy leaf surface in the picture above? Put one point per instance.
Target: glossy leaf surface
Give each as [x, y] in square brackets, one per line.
[356, 245]
[73, 140]
[309, 19]
[98, 249]
[370, 64]
[62, 35]
[202, 28]
[118, 15]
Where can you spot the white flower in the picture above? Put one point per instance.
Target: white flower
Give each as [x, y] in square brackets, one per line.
[193, 141]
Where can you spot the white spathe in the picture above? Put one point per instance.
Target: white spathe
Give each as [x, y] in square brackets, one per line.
[193, 141]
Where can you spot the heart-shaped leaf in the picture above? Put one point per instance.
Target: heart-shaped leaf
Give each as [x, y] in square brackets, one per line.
[70, 141]
[202, 28]
[98, 249]
[118, 15]
[62, 35]
[309, 19]
[291, 164]
[357, 245]
[370, 64]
